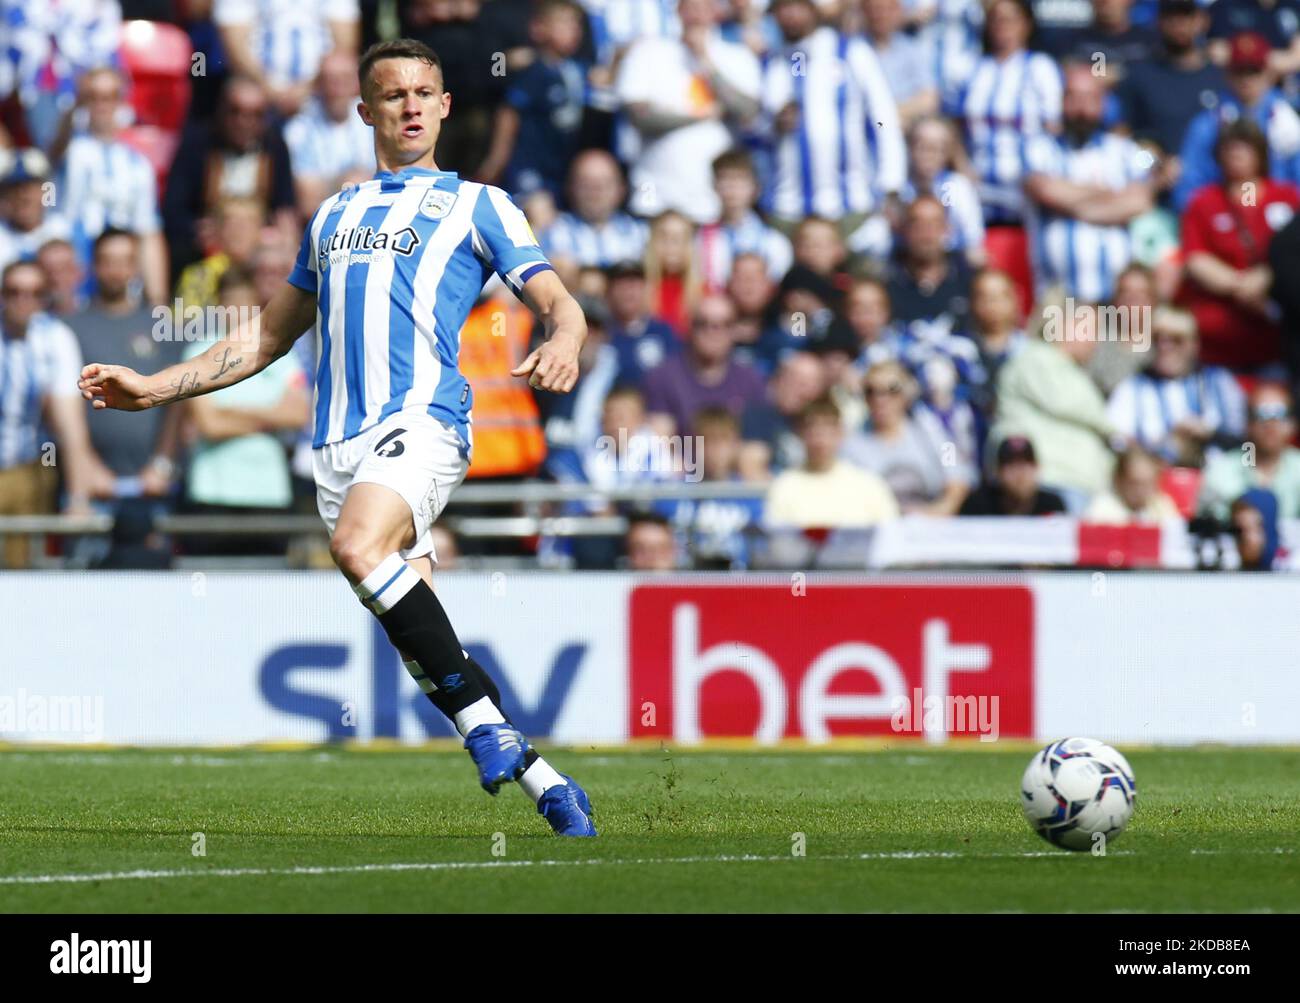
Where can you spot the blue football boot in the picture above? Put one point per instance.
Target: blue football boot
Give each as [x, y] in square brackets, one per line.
[567, 809]
[498, 752]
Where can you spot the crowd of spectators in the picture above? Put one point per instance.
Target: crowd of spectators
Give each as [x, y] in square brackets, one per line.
[868, 257]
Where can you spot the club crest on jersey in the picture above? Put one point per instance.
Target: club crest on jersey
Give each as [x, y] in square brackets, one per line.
[436, 203]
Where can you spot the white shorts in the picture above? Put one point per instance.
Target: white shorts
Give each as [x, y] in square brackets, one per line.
[411, 452]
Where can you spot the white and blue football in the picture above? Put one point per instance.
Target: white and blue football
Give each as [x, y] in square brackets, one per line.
[1078, 792]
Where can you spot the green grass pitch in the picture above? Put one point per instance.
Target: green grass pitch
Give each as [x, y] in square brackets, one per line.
[885, 828]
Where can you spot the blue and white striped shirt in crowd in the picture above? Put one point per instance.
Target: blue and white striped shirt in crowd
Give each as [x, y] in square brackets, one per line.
[920, 345]
[321, 148]
[962, 202]
[955, 44]
[620, 238]
[289, 37]
[1004, 104]
[905, 61]
[47, 46]
[44, 363]
[616, 24]
[1084, 257]
[396, 263]
[22, 245]
[719, 244]
[846, 152]
[1146, 407]
[105, 183]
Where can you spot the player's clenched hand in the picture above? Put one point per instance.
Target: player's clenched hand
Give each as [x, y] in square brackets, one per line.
[117, 387]
[551, 366]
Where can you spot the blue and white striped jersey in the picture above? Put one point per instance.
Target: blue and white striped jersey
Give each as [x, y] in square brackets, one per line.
[396, 264]
[107, 183]
[1004, 104]
[955, 45]
[718, 245]
[620, 238]
[319, 147]
[289, 37]
[1084, 257]
[22, 245]
[45, 362]
[1146, 407]
[847, 150]
[47, 46]
[907, 66]
[616, 24]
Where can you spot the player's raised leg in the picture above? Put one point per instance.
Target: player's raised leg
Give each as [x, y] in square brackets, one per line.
[559, 798]
[373, 526]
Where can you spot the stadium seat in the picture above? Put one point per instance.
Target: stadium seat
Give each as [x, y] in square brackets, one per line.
[157, 57]
[1183, 486]
[1007, 248]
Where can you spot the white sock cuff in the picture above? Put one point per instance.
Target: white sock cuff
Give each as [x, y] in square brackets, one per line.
[387, 585]
[481, 711]
[539, 778]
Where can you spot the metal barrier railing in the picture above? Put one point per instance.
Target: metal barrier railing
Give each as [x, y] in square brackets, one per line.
[914, 541]
[532, 497]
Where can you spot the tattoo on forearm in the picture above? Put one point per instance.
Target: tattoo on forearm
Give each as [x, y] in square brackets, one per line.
[185, 386]
[188, 384]
[225, 363]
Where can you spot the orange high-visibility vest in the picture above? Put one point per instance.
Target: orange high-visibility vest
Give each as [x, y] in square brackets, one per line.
[507, 431]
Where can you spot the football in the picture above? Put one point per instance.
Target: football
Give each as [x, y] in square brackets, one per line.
[1077, 792]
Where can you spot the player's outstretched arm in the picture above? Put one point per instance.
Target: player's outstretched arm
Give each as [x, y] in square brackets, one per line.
[246, 352]
[553, 365]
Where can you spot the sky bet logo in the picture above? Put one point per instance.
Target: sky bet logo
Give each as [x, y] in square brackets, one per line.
[394, 697]
[367, 239]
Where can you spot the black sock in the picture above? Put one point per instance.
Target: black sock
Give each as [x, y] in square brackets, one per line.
[489, 687]
[438, 699]
[419, 629]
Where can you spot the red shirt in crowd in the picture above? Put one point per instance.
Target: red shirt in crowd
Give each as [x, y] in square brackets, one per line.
[1238, 235]
[670, 303]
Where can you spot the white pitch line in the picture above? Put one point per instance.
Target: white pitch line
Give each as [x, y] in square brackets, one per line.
[469, 865]
[473, 865]
[159, 759]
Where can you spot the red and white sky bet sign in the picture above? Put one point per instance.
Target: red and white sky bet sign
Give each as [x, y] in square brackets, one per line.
[761, 661]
